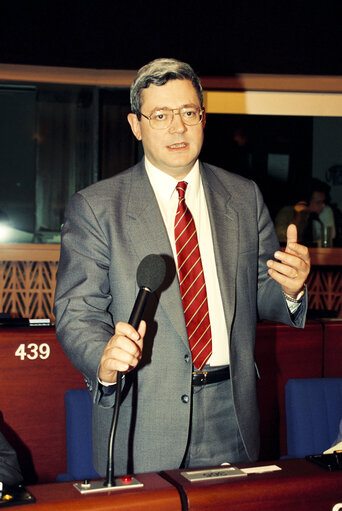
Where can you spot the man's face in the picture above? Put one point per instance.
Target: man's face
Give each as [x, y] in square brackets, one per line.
[317, 202]
[175, 149]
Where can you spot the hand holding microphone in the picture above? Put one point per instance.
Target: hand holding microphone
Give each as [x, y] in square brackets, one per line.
[124, 349]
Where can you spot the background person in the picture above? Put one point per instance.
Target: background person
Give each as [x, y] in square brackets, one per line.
[309, 205]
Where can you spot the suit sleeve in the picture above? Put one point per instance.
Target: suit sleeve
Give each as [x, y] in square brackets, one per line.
[83, 323]
[270, 298]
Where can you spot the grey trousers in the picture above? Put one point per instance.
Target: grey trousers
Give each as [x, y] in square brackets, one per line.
[214, 436]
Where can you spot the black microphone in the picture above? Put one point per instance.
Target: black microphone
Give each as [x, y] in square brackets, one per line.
[150, 276]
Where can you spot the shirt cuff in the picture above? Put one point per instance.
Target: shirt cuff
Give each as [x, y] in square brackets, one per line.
[105, 383]
[293, 306]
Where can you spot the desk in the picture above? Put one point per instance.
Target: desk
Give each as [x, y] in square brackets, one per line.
[300, 485]
[157, 494]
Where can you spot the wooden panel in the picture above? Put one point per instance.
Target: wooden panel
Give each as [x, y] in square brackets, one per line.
[123, 78]
[28, 279]
[33, 381]
[27, 288]
[273, 103]
[333, 349]
[283, 352]
[325, 289]
[326, 256]
[29, 252]
[68, 75]
[300, 485]
[272, 82]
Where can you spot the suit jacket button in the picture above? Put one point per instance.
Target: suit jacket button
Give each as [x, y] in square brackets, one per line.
[185, 398]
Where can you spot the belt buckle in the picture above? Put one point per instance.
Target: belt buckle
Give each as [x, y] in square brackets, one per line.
[204, 377]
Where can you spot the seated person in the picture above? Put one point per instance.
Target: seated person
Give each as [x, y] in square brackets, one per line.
[304, 213]
[10, 473]
[327, 223]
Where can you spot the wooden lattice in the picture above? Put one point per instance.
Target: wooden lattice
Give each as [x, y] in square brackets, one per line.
[27, 288]
[325, 290]
[28, 280]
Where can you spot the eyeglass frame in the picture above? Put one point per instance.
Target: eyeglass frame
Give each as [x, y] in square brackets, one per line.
[201, 111]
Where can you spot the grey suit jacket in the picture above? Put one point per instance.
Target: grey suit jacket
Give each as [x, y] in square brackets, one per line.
[109, 228]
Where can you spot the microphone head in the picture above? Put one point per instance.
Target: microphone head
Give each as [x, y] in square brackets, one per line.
[151, 272]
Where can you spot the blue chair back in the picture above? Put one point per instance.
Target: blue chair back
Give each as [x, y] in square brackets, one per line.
[78, 421]
[313, 413]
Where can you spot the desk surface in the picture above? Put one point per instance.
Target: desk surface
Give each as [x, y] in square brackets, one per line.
[326, 256]
[157, 494]
[299, 485]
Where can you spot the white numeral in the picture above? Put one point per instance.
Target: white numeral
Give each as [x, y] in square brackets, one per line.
[21, 352]
[33, 351]
[44, 351]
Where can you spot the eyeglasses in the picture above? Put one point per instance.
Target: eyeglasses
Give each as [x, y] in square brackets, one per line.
[162, 118]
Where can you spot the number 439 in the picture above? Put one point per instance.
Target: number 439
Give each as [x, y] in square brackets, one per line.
[33, 351]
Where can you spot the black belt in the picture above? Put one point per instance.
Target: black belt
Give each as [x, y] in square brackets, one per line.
[205, 377]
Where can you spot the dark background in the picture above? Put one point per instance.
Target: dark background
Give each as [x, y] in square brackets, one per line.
[216, 37]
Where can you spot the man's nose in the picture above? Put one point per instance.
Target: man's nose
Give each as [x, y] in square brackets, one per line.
[177, 125]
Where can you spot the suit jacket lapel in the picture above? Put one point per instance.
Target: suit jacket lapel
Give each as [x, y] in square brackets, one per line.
[224, 225]
[149, 236]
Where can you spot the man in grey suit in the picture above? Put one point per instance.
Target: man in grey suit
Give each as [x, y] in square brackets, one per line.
[172, 414]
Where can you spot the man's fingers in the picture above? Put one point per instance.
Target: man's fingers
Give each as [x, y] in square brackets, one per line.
[296, 258]
[291, 235]
[126, 330]
[287, 270]
[120, 354]
[123, 351]
[142, 329]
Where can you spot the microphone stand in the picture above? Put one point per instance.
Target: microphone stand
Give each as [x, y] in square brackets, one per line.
[134, 320]
[110, 481]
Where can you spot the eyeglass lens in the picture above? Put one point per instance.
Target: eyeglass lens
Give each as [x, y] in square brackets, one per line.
[163, 118]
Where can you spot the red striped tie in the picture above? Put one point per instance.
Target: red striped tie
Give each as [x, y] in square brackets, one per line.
[192, 283]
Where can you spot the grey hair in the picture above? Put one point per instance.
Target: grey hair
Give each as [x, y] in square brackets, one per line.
[158, 72]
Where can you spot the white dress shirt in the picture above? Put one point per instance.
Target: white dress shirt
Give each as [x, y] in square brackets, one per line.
[164, 187]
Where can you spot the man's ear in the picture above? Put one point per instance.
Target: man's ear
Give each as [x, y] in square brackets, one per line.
[135, 125]
[204, 120]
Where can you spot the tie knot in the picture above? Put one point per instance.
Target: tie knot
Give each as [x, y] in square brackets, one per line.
[181, 188]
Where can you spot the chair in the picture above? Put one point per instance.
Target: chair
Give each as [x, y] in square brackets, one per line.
[78, 411]
[313, 413]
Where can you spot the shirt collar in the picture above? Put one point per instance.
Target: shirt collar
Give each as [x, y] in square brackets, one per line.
[165, 185]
